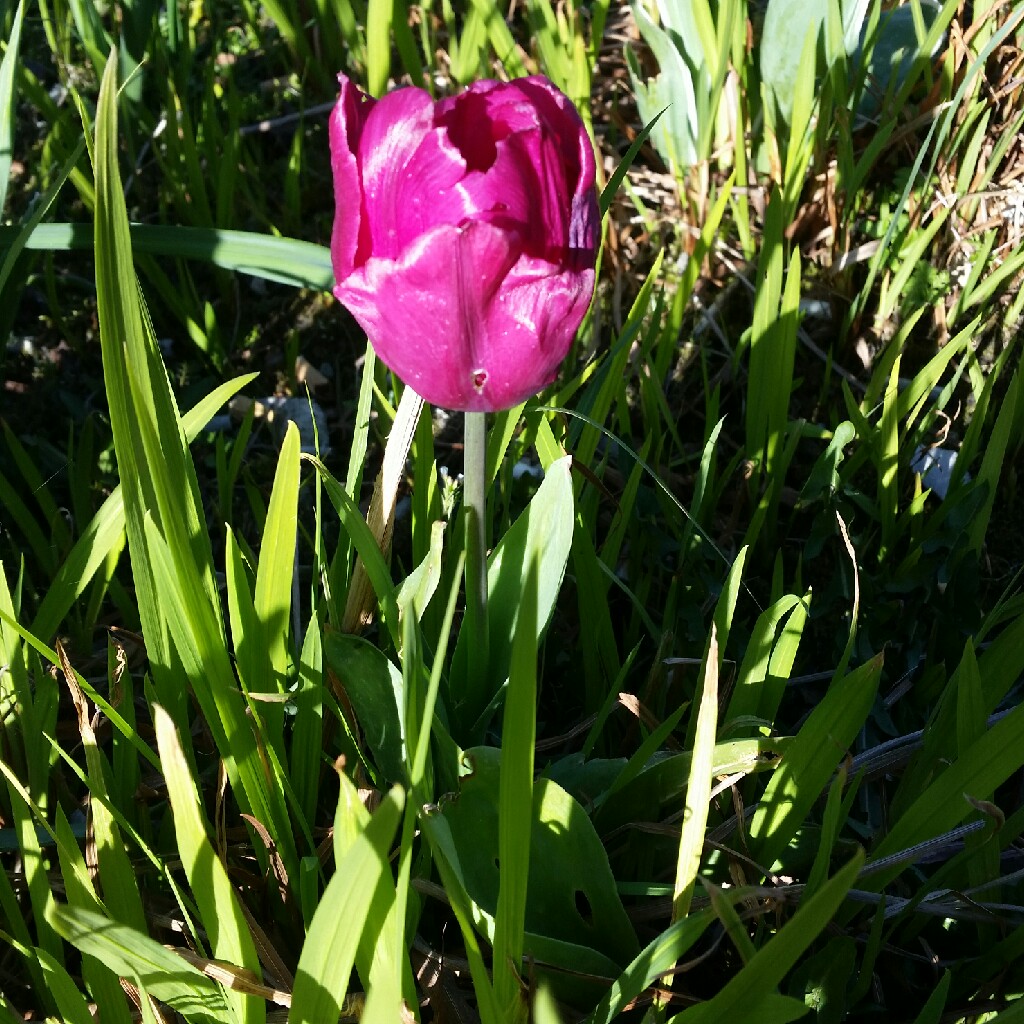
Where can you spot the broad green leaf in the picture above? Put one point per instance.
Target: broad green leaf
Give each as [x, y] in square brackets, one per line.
[571, 894]
[787, 25]
[672, 93]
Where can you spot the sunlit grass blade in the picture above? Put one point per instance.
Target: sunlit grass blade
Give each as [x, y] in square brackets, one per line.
[219, 912]
[131, 954]
[322, 976]
[659, 956]
[171, 549]
[698, 791]
[751, 992]
[808, 763]
[515, 802]
[273, 597]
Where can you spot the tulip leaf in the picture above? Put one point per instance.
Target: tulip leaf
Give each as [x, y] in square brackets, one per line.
[787, 24]
[543, 532]
[571, 894]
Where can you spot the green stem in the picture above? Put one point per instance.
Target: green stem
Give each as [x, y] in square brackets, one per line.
[474, 490]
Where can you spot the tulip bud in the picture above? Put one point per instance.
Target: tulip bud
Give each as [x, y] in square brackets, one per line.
[465, 235]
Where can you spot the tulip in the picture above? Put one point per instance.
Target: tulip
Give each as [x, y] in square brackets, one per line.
[465, 235]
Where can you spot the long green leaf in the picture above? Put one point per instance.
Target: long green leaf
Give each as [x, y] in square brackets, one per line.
[106, 527]
[282, 260]
[809, 762]
[131, 954]
[322, 977]
[741, 998]
[219, 911]
[515, 802]
[698, 790]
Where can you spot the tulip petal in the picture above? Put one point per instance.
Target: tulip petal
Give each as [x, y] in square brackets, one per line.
[346, 126]
[465, 319]
[395, 129]
[430, 193]
[531, 325]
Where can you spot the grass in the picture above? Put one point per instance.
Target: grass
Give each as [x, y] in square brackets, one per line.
[750, 741]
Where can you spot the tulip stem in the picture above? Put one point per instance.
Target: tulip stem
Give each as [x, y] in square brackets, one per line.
[475, 498]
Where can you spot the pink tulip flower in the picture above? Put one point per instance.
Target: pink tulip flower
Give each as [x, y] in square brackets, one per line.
[465, 235]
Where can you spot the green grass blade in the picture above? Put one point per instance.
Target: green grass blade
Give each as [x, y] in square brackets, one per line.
[7, 103]
[273, 598]
[131, 954]
[992, 464]
[698, 790]
[742, 997]
[322, 976]
[70, 1001]
[219, 912]
[660, 955]
[809, 762]
[378, 45]
[515, 802]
